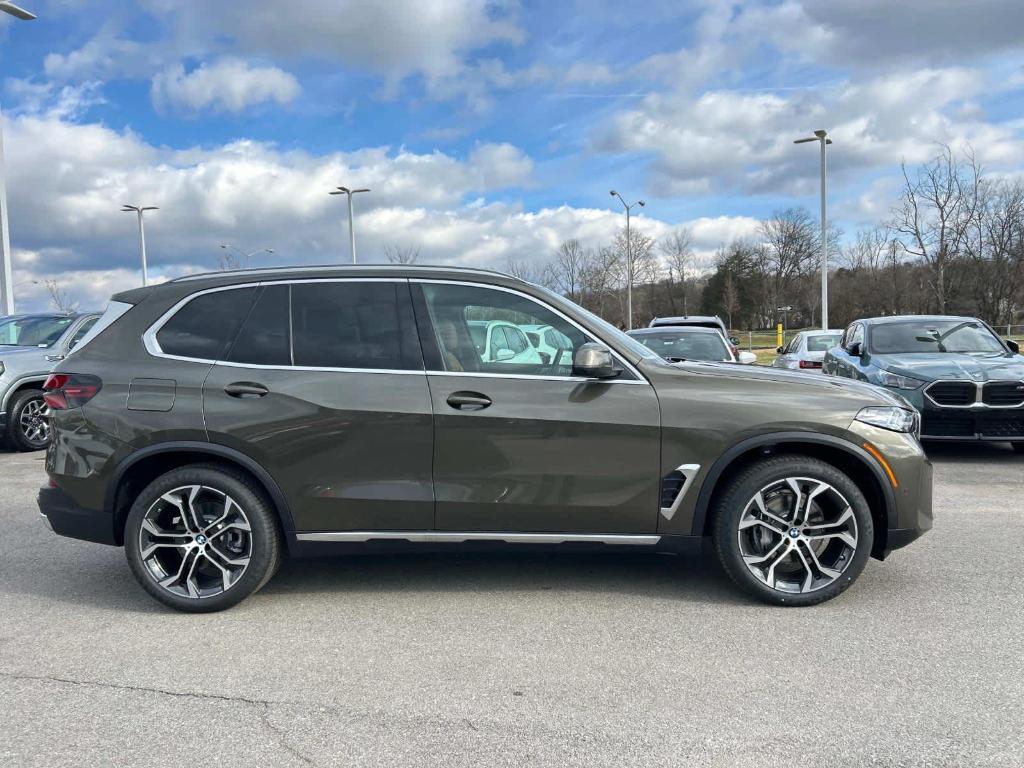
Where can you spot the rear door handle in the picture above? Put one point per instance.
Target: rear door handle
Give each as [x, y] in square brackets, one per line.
[246, 389]
[468, 401]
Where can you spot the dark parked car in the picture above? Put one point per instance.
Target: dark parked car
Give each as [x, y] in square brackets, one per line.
[967, 383]
[218, 422]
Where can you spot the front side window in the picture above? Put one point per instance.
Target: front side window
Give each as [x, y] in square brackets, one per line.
[464, 316]
[83, 329]
[855, 335]
[204, 328]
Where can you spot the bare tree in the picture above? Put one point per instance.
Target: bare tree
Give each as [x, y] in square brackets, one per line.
[730, 297]
[398, 254]
[677, 249]
[569, 269]
[227, 261]
[59, 297]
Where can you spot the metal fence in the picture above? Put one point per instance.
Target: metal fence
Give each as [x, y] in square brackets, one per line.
[767, 338]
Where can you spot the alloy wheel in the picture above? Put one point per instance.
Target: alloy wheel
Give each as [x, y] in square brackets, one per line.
[195, 541]
[797, 535]
[34, 422]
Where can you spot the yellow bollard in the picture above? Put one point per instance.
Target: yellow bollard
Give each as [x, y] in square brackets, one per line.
[778, 334]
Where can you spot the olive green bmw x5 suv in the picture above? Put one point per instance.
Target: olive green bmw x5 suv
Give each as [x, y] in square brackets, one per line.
[213, 424]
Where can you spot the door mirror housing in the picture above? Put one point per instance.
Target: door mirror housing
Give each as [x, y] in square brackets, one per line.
[504, 355]
[594, 361]
[855, 349]
[1014, 346]
[779, 350]
[747, 358]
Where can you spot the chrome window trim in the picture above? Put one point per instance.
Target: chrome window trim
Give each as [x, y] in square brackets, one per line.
[641, 379]
[456, 537]
[979, 391]
[532, 377]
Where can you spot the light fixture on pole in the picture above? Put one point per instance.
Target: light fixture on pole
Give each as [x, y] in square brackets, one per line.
[137, 209]
[629, 258]
[351, 230]
[6, 277]
[243, 254]
[821, 136]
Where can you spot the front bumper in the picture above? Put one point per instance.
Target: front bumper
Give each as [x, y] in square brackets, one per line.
[64, 516]
[992, 424]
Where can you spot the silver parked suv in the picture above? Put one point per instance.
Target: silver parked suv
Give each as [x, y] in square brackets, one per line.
[30, 345]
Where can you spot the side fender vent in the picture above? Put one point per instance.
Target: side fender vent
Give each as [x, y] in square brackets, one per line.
[674, 486]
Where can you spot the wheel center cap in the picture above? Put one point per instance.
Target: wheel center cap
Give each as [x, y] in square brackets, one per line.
[794, 533]
[200, 539]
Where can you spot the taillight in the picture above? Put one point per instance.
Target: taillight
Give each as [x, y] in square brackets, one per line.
[809, 364]
[70, 390]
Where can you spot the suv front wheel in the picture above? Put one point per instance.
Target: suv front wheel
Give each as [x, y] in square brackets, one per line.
[29, 425]
[793, 530]
[202, 538]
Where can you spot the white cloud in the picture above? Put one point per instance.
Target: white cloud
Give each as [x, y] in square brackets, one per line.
[229, 85]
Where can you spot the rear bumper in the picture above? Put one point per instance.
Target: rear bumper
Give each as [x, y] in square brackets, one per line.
[64, 516]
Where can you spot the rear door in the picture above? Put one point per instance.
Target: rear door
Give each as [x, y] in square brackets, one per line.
[325, 388]
[526, 446]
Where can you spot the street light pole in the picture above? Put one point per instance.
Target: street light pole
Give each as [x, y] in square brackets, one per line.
[142, 234]
[351, 227]
[821, 136]
[6, 257]
[629, 258]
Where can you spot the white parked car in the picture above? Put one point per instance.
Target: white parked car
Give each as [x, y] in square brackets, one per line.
[499, 341]
[552, 344]
[691, 343]
[806, 350]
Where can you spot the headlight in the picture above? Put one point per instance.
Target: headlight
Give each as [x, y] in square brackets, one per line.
[887, 379]
[889, 417]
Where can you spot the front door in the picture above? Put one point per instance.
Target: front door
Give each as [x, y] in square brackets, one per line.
[522, 445]
[324, 387]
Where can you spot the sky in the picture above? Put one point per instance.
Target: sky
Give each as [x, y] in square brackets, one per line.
[488, 132]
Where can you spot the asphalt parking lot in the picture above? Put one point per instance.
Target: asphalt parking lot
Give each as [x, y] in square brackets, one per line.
[523, 659]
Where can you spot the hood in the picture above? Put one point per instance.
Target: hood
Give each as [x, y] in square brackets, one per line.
[872, 395]
[930, 366]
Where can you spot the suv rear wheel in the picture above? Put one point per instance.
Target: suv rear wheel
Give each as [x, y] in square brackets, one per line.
[202, 538]
[29, 425]
[793, 530]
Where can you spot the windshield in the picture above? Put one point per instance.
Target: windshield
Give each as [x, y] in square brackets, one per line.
[933, 336]
[823, 343]
[687, 346]
[607, 329]
[33, 331]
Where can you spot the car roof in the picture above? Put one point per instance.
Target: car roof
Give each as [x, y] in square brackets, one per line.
[676, 329]
[683, 319]
[911, 318]
[820, 332]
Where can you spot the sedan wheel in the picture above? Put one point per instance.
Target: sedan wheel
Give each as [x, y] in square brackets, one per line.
[29, 427]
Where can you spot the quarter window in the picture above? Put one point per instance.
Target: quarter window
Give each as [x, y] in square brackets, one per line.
[205, 327]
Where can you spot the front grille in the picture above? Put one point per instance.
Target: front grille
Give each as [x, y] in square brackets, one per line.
[947, 424]
[952, 392]
[1005, 393]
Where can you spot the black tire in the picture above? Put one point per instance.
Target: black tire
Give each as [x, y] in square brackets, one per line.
[17, 437]
[741, 491]
[263, 546]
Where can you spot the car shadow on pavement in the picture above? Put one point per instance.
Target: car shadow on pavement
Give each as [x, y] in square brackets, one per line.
[689, 578]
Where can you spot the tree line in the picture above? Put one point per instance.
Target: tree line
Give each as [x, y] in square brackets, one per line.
[952, 244]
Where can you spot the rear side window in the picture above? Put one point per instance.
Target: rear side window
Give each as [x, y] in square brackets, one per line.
[354, 325]
[264, 337]
[205, 327]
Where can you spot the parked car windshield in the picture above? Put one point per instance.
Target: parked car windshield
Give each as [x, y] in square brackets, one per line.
[933, 336]
[43, 331]
[823, 343]
[687, 345]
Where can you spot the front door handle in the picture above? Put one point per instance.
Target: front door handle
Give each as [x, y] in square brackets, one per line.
[246, 389]
[468, 401]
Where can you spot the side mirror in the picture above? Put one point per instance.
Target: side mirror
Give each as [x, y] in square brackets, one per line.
[779, 350]
[748, 358]
[734, 341]
[855, 349]
[504, 355]
[1014, 346]
[594, 361]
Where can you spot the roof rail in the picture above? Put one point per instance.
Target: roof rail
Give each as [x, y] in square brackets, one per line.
[332, 267]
